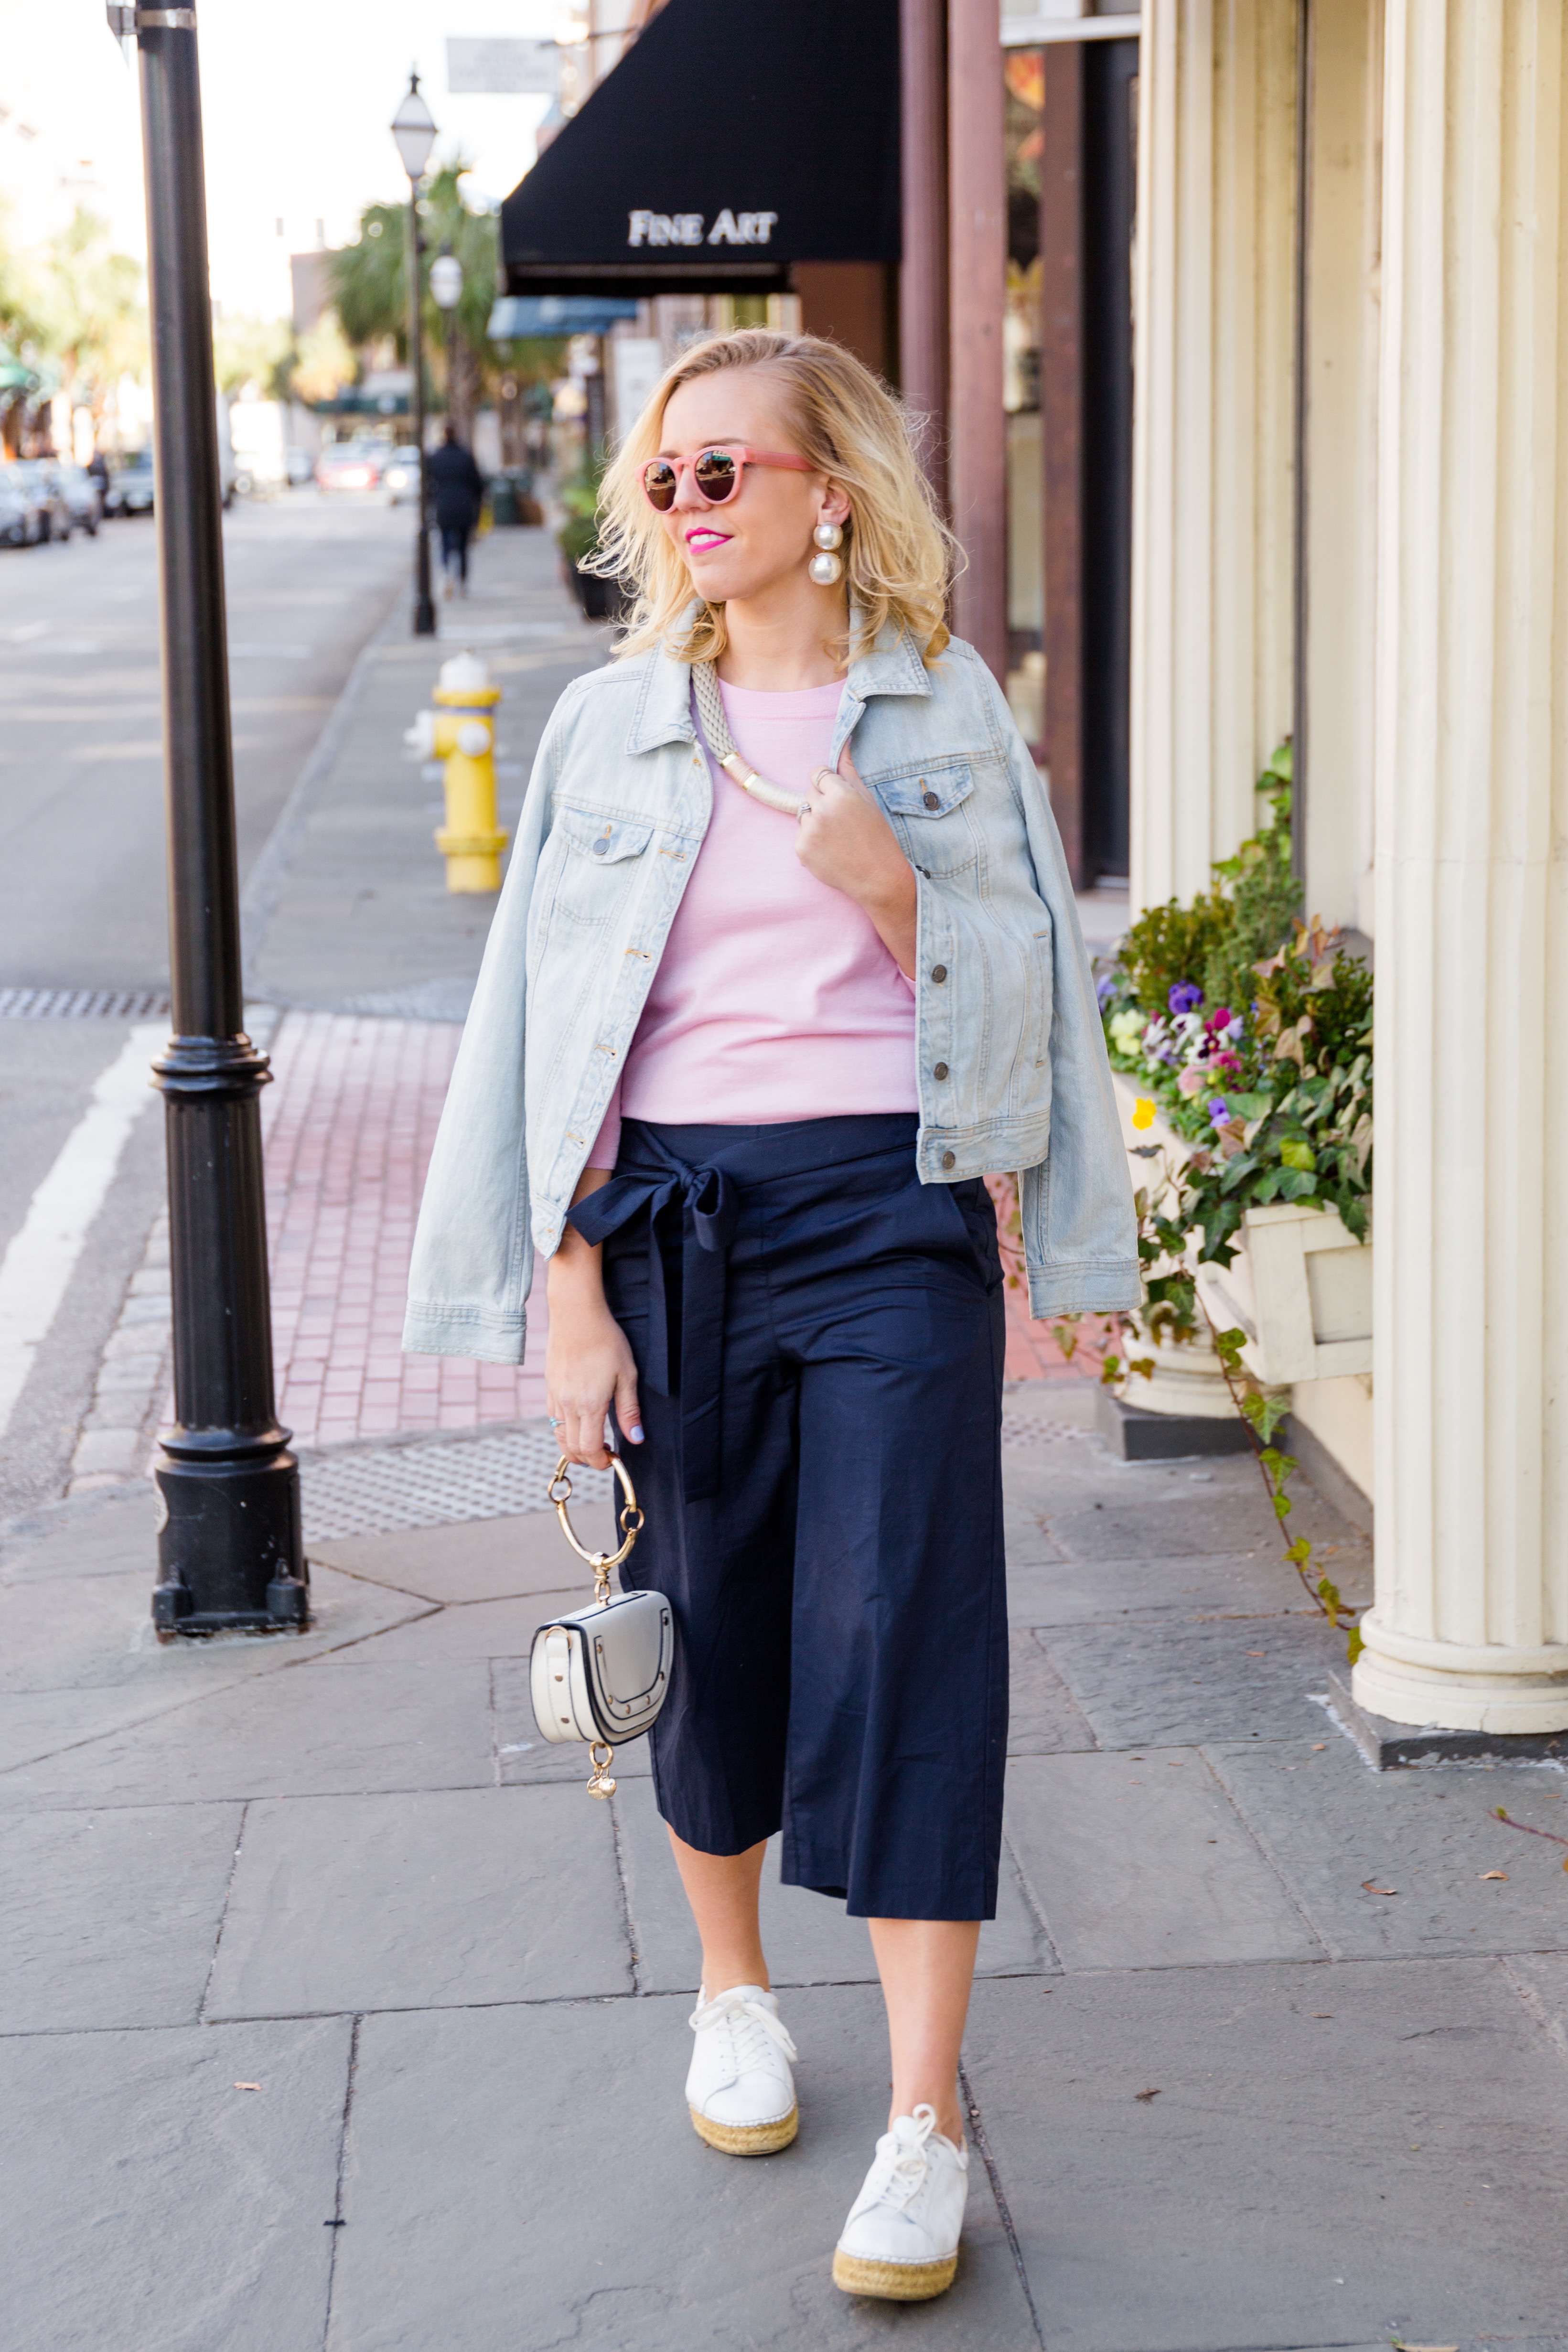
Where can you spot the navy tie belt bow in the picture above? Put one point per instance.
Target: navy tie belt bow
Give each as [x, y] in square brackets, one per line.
[699, 1207]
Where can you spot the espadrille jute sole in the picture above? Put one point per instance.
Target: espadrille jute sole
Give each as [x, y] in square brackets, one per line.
[894, 2282]
[747, 2140]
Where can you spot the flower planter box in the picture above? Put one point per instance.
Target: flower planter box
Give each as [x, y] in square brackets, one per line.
[1300, 1285]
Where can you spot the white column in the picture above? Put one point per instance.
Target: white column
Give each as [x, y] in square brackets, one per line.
[1338, 459]
[1470, 1626]
[1212, 434]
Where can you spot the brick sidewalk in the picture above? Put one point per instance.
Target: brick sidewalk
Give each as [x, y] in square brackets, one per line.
[350, 1125]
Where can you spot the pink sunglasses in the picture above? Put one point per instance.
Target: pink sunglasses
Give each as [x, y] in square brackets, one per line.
[717, 472]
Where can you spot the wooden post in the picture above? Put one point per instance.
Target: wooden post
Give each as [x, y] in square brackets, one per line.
[977, 281]
[1061, 426]
[848, 302]
[923, 273]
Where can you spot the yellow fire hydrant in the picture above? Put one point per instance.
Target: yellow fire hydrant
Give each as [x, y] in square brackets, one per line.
[462, 734]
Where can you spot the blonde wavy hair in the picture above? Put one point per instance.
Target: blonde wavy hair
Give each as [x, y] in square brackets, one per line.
[897, 553]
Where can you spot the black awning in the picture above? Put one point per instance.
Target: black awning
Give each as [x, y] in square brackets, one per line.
[728, 144]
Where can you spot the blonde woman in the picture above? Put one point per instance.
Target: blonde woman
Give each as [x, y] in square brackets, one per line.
[786, 960]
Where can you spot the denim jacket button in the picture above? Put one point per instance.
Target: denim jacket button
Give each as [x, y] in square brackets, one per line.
[950, 1158]
[939, 971]
[931, 800]
[940, 1071]
[600, 846]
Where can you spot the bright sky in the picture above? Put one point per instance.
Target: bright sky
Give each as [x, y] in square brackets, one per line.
[296, 98]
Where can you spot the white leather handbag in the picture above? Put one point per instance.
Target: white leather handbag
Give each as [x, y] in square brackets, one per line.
[602, 1674]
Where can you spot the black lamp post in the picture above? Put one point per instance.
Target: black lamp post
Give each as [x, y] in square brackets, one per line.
[228, 1489]
[413, 129]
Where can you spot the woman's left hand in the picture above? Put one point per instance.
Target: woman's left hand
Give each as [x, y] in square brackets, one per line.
[844, 839]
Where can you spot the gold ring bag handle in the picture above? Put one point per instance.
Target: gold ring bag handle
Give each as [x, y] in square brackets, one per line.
[629, 1519]
[629, 1522]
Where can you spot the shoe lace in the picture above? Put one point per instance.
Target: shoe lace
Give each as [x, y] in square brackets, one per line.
[904, 2162]
[747, 2026]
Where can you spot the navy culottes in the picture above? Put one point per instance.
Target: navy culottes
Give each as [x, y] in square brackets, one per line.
[819, 1342]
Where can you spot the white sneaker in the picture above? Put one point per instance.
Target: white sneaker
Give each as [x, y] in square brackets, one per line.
[900, 2241]
[739, 2088]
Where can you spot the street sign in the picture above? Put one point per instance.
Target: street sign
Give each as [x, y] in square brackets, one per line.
[500, 66]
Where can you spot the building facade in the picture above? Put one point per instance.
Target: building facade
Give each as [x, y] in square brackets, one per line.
[1350, 520]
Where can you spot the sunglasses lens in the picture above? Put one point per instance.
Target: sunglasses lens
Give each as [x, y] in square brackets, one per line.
[716, 475]
[659, 481]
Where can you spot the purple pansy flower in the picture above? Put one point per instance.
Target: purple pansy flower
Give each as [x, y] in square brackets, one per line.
[1219, 1109]
[1186, 996]
[1105, 988]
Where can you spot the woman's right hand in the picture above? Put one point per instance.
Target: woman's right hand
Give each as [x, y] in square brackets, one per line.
[588, 1362]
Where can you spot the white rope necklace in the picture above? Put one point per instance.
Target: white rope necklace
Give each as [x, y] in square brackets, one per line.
[721, 743]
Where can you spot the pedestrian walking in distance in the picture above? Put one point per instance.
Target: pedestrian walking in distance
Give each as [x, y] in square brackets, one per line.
[459, 489]
[786, 960]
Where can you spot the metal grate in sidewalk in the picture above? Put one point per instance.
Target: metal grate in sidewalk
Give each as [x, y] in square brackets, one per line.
[83, 1003]
[1024, 1429]
[374, 1490]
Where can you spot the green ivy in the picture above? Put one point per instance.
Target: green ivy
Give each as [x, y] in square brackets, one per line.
[1252, 1030]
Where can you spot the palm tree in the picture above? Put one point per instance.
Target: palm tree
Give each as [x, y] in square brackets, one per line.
[370, 288]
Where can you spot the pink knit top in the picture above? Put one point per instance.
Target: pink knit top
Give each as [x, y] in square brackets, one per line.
[775, 999]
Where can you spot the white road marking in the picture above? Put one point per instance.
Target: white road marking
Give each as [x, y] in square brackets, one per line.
[39, 1265]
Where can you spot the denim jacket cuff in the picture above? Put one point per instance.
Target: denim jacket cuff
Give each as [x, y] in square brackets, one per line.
[1106, 1286]
[442, 1331]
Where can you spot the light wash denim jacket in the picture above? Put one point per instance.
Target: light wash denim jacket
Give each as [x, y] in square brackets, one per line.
[616, 810]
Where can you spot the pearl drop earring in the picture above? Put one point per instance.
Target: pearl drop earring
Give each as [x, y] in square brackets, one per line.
[827, 568]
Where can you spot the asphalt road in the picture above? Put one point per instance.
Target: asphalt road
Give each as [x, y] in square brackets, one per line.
[81, 788]
[82, 853]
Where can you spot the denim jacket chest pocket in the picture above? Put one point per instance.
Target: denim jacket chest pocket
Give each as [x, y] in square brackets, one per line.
[932, 815]
[594, 855]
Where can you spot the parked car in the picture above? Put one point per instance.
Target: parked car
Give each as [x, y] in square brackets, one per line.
[15, 512]
[131, 485]
[43, 507]
[81, 493]
[301, 466]
[353, 466]
[400, 476]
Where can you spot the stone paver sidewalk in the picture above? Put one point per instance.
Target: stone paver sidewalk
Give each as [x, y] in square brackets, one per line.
[335, 2013]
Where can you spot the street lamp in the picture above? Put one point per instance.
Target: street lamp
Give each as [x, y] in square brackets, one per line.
[414, 131]
[447, 285]
[227, 1487]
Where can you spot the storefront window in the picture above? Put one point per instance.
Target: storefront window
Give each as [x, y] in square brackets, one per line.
[1024, 72]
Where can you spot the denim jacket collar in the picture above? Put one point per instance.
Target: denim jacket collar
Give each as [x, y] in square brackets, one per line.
[663, 714]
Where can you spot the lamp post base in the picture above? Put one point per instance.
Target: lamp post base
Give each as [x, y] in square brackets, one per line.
[230, 1530]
